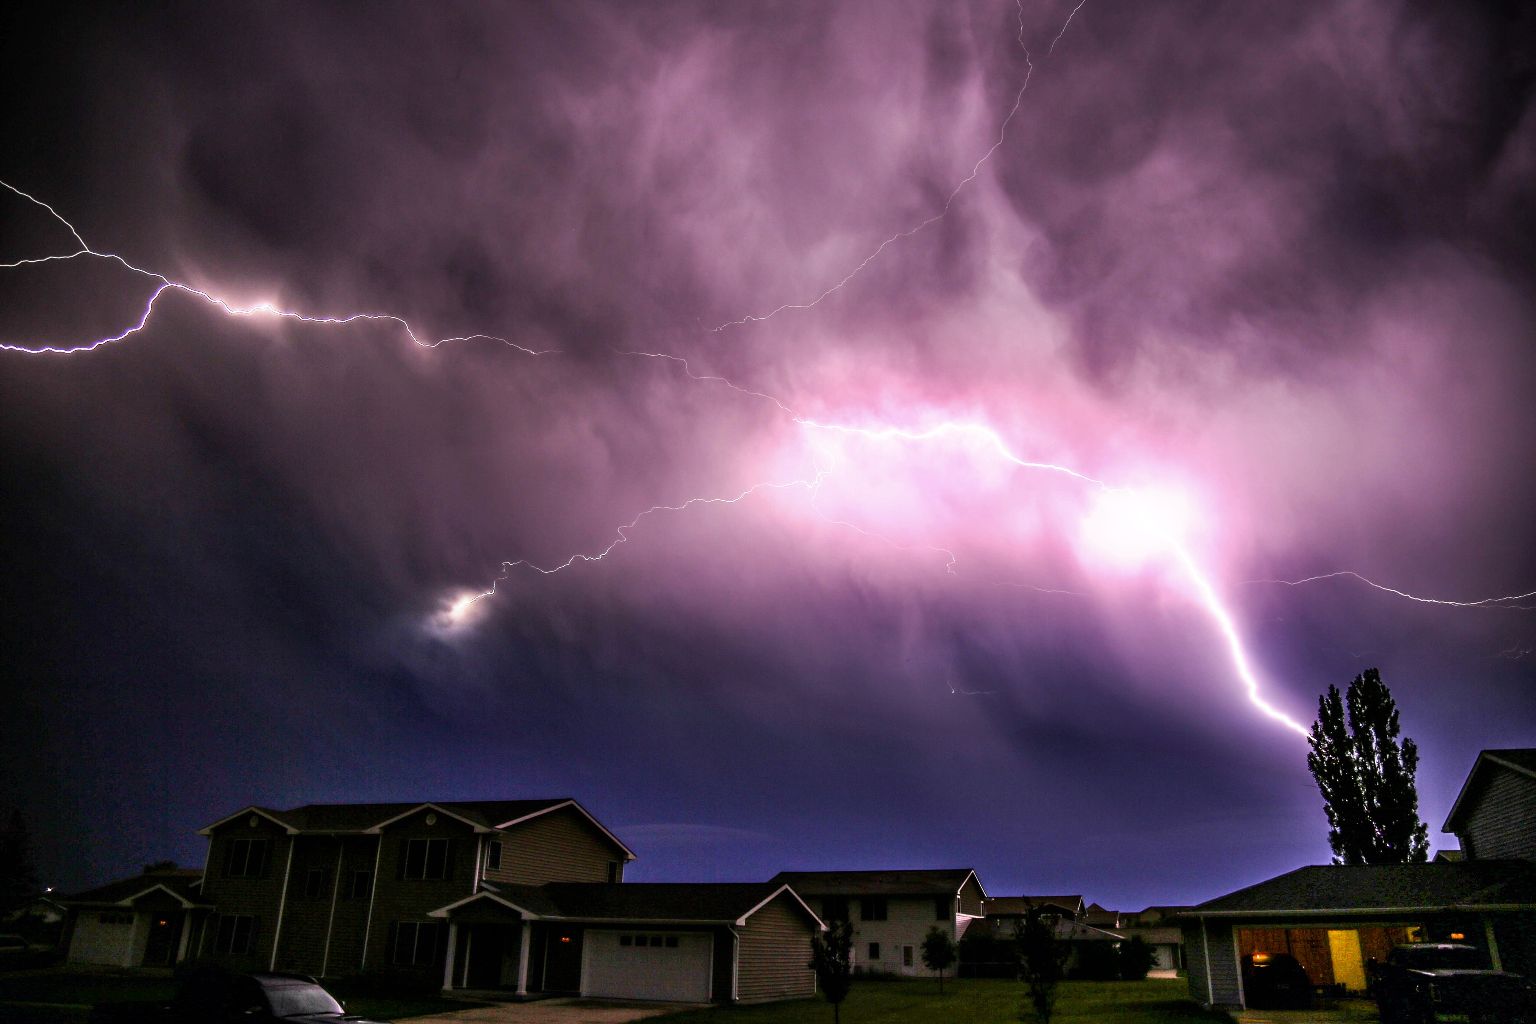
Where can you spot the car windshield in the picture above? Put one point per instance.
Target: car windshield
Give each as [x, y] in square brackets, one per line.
[1442, 958]
[295, 1000]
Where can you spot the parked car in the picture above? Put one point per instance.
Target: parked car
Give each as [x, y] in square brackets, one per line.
[1275, 981]
[1423, 981]
[216, 996]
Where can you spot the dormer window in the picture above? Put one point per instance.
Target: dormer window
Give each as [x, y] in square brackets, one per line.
[424, 858]
[493, 855]
[247, 858]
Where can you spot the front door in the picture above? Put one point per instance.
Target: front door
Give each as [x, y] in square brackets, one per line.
[562, 961]
[164, 937]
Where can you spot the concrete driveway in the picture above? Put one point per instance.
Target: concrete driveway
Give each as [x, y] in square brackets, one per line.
[555, 1011]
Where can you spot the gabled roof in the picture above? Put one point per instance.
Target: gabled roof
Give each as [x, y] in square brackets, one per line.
[637, 902]
[1520, 759]
[482, 815]
[1381, 888]
[183, 884]
[1019, 904]
[939, 882]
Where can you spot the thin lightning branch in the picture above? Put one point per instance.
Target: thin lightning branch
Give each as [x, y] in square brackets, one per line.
[1002, 134]
[165, 284]
[1505, 602]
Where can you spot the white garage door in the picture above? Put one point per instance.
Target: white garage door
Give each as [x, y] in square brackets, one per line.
[101, 939]
[672, 966]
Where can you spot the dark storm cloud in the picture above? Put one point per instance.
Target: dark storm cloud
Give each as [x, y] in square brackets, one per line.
[1280, 256]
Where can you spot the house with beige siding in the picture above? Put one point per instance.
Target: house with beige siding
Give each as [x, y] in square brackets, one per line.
[155, 919]
[346, 889]
[892, 911]
[676, 942]
[1335, 919]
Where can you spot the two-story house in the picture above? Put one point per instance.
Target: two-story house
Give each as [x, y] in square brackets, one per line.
[892, 911]
[338, 889]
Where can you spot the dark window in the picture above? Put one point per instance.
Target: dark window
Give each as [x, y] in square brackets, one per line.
[114, 918]
[872, 908]
[362, 884]
[314, 883]
[425, 858]
[906, 956]
[493, 856]
[247, 858]
[615, 871]
[671, 941]
[235, 934]
[626, 940]
[874, 952]
[834, 908]
[416, 945]
[942, 908]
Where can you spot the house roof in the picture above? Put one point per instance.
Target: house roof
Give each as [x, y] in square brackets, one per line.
[1065, 931]
[482, 815]
[639, 902]
[1332, 888]
[1518, 759]
[182, 883]
[1019, 904]
[939, 882]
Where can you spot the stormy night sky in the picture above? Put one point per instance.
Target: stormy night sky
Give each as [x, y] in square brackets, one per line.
[1262, 275]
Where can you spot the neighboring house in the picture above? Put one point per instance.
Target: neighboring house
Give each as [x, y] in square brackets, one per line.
[39, 920]
[990, 951]
[1495, 813]
[676, 942]
[345, 889]
[151, 920]
[892, 911]
[1098, 917]
[1154, 926]
[1335, 920]
[1007, 909]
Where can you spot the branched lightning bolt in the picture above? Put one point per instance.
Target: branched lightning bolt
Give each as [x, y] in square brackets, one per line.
[1507, 602]
[165, 284]
[1002, 135]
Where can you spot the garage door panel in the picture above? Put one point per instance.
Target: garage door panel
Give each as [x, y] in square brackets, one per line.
[667, 966]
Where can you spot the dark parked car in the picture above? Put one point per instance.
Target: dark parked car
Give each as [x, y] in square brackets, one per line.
[1423, 981]
[1275, 981]
[215, 996]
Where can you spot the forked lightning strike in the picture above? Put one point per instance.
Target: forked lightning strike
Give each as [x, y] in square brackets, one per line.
[1002, 135]
[1507, 602]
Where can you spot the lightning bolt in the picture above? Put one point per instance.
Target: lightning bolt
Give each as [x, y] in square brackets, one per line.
[1507, 602]
[921, 226]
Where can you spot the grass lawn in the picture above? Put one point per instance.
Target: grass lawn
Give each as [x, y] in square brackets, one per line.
[974, 1001]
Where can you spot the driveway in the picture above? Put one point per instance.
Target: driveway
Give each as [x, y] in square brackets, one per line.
[555, 1011]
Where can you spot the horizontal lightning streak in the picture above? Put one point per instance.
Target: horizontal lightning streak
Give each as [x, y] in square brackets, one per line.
[1002, 135]
[1505, 602]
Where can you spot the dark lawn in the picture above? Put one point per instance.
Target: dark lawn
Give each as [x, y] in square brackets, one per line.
[974, 1001]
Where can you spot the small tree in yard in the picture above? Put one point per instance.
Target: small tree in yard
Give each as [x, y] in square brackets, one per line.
[939, 953]
[1042, 960]
[1366, 776]
[832, 960]
[1135, 958]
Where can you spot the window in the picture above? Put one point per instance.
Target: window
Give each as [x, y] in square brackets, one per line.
[425, 858]
[247, 858]
[314, 883]
[942, 908]
[416, 944]
[235, 934]
[874, 952]
[112, 917]
[872, 908]
[362, 885]
[906, 956]
[671, 941]
[493, 856]
[834, 908]
[615, 871]
[626, 940]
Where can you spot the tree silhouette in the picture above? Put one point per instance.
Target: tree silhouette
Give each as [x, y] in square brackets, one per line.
[1366, 776]
[938, 953]
[832, 960]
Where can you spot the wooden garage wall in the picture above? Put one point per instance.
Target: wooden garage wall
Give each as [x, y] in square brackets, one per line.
[775, 953]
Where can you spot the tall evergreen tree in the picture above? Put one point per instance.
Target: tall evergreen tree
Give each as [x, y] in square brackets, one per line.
[18, 875]
[1366, 776]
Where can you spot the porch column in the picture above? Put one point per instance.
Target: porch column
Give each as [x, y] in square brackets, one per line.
[453, 941]
[522, 959]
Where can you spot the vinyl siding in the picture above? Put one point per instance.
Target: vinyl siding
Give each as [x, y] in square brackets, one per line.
[1499, 824]
[775, 952]
[561, 846]
[970, 898]
[256, 897]
[301, 943]
[400, 899]
[1224, 986]
[351, 913]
